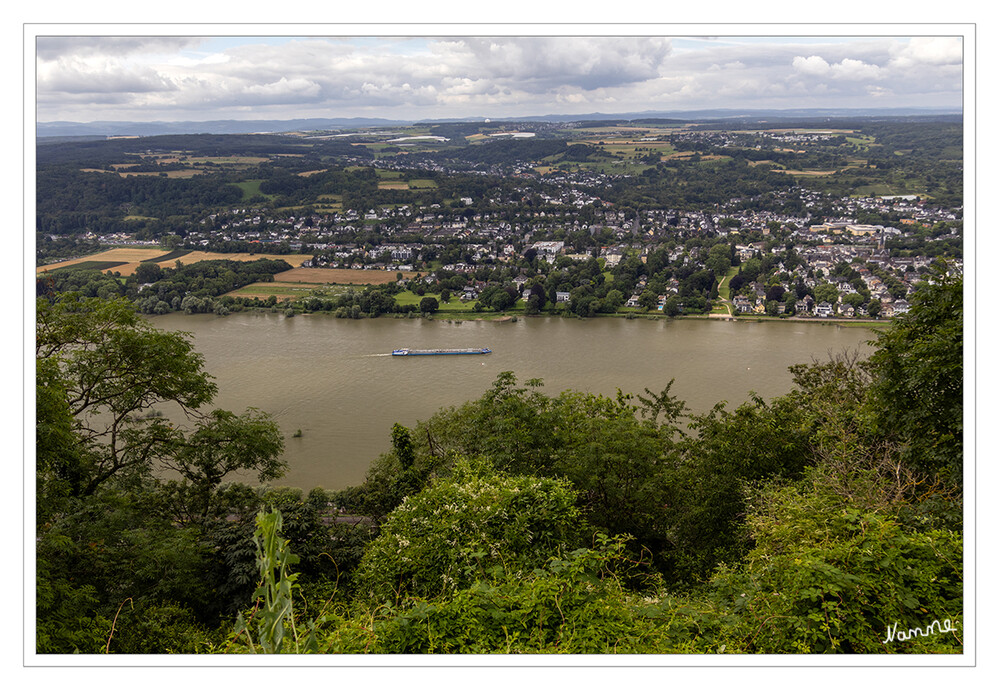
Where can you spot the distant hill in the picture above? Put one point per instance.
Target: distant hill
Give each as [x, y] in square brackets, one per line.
[147, 129]
[117, 128]
[719, 114]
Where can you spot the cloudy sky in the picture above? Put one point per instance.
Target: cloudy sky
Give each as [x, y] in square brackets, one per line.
[413, 76]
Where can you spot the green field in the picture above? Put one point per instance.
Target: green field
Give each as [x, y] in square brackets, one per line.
[251, 188]
[453, 305]
[422, 184]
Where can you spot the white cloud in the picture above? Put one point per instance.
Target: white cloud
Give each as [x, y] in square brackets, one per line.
[98, 75]
[811, 65]
[930, 50]
[284, 89]
[855, 70]
[185, 61]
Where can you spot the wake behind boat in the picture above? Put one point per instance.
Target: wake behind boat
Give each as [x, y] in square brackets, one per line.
[461, 351]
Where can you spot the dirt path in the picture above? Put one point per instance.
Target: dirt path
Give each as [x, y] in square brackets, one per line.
[725, 302]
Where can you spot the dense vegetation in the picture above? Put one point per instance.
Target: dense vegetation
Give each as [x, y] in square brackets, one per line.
[517, 523]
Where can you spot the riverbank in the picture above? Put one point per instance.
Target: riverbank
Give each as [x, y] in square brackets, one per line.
[754, 318]
[462, 315]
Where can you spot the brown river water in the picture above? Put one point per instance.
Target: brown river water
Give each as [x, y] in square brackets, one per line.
[336, 380]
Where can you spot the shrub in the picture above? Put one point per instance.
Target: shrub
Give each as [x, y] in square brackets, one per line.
[472, 525]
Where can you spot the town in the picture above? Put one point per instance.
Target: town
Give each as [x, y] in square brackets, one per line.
[853, 260]
[539, 226]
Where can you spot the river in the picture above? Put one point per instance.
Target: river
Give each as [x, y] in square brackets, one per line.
[336, 381]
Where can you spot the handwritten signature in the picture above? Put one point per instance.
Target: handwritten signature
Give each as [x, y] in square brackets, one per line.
[934, 628]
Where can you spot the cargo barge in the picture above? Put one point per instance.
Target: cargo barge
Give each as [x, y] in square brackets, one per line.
[465, 351]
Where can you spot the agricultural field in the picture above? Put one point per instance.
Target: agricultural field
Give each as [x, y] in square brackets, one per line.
[340, 276]
[284, 292]
[124, 171]
[388, 179]
[196, 256]
[127, 259]
[194, 165]
[94, 266]
[177, 174]
[331, 203]
[422, 184]
[809, 173]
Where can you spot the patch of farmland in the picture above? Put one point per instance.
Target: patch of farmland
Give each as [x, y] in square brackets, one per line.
[281, 290]
[127, 258]
[809, 173]
[423, 184]
[196, 256]
[90, 266]
[175, 254]
[340, 276]
[169, 173]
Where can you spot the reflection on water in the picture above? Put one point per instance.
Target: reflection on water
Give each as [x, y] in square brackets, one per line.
[335, 379]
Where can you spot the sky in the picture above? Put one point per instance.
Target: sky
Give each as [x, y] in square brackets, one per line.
[411, 76]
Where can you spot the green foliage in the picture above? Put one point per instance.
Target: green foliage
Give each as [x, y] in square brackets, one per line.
[111, 537]
[826, 292]
[705, 497]
[327, 552]
[918, 387]
[66, 617]
[102, 370]
[476, 523]
[112, 367]
[158, 629]
[567, 605]
[615, 460]
[828, 577]
[99, 552]
[428, 305]
[402, 444]
[58, 457]
[274, 616]
[222, 443]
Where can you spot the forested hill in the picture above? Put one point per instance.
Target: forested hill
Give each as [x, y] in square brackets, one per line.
[108, 151]
[826, 520]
